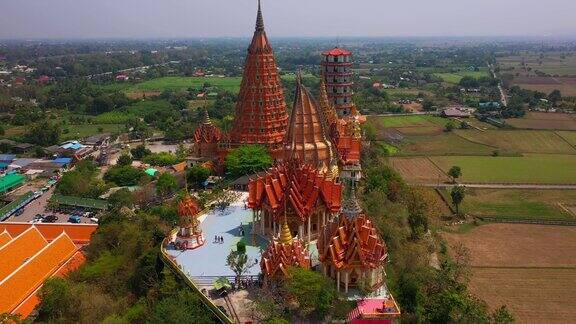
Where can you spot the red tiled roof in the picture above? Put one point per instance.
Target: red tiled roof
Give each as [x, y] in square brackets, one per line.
[298, 186]
[25, 280]
[79, 233]
[351, 242]
[17, 251]
[336, 51]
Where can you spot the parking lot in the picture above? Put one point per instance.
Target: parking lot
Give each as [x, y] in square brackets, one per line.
[38, 207]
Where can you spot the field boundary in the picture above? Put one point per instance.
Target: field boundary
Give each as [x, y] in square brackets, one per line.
[521, 267]
[491, 219]
[564, 139]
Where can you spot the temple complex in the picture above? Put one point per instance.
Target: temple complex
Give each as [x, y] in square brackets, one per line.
[350, 249]
[261, 116]
[206, 137]
[189, 234]
[308, 134]
[307, 198]
[283, 252]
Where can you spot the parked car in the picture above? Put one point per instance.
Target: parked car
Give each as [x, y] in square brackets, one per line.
[50, 219]
[74, 219]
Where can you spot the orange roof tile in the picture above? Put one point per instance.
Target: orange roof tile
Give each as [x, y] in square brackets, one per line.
[78, 233]
[30, 303]
[295, 185]
[180, 167]
[17, 251]
[25, 280]
[5, 237]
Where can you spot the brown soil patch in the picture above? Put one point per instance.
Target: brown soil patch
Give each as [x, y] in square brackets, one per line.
[519, 245]
[532, 295]
[418, 170]
[541, 120]
[413, 107]
[529, 268]
[143, 94]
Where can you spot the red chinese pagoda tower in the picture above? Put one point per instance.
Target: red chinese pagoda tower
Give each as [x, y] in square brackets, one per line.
[337, 72]
[189, 234]
[261, 116]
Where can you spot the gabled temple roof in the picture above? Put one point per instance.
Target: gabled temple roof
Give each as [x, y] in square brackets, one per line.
[297, 186]
[351, 240]
[308, 133]
[284, 252]
[207, 132]
[336, 51]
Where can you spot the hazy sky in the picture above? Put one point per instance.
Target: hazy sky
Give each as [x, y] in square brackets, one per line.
[209, 18]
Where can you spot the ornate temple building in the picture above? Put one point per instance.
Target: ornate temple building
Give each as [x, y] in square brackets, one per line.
[261, 116]
[283, 252]
[337, 72]
[306, 197]
[189, 234]
[206, 137]
[350, 249]
[308, 133]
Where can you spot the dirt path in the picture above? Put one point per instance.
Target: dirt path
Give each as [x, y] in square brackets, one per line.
[501, 186]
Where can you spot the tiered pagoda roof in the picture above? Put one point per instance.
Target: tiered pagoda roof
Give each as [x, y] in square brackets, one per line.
[187, 210]
[207, 132]
[351, 240]
[284, 252]
[261, 116]
[308, 133]
[297, 186]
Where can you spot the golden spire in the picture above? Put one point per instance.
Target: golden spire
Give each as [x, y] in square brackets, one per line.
[285, 235]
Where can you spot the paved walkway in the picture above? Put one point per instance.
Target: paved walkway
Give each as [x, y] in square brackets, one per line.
[210, 259]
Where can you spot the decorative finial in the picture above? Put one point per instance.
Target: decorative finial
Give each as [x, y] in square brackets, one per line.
[259, 19]
[285, 235]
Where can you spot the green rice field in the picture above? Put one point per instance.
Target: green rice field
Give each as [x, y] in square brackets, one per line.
[524, 141]
[531, 168]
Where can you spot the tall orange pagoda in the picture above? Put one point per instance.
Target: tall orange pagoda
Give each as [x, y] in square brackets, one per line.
[306, 197]
[261, 116]
[308, 133]
[350, 248]
[283, 252]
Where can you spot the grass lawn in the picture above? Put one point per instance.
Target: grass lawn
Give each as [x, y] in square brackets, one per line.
[231, 84]
[528, 141]
[442, 144]
[405, 121]
[85, 130]
[531, 168]
[457, 76]
[518, 203]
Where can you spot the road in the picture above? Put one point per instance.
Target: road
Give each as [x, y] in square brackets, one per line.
[501, 186]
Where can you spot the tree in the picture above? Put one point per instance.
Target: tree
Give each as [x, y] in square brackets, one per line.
[123, 175]
[197, 175]
[44, 134]
[239, 263]
[166, 184]
[313, 291]
[455, 172]
[457, 194]
[124, 160]
[248, 159]
[417, 213]
[2, 132]
[450, 126]
[55, 297]
[183, 307]
[502, 316]
[554, 97]
[139, 152]
[121, 198]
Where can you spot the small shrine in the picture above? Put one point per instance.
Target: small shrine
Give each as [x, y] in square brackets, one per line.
[189, 234]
